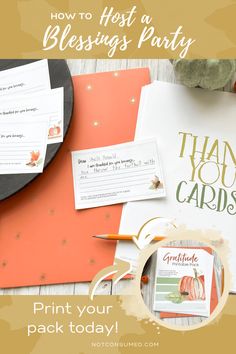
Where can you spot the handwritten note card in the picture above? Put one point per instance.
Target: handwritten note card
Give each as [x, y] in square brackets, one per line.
[117, 174]
[23, 145]
[49, 103]
[25, 79]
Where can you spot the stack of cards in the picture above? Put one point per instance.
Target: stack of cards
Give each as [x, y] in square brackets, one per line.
[31, 116]
[183, 281]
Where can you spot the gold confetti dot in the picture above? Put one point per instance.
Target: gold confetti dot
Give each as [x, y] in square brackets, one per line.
[18, 235]
[64, 242]
[4, 264]
[89, 87]
[51, 212]
[96, 123]
[92, 261]
[133, 100]
[43, 276]
[107, 216]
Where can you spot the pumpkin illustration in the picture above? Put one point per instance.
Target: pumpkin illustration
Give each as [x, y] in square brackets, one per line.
[54, 131]
[192, 287]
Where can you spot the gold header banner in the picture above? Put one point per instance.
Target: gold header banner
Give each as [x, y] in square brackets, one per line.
[118, 29]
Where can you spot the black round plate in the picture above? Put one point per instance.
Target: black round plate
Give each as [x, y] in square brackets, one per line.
[60, 77]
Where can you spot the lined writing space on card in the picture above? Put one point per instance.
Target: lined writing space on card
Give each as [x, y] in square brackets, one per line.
[25, 79]
[23, 145]
[48, 103]
[116, 174]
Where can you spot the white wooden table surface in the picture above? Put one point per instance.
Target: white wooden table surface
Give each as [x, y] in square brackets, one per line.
[161, 69]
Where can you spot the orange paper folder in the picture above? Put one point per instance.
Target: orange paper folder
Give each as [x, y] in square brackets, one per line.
[43, 239]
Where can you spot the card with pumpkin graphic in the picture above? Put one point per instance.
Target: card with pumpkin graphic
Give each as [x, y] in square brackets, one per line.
[48, 103]
[30, 86]
[214, 294]
[183, 281]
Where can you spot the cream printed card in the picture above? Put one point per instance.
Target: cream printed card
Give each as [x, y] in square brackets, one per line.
[25, 79]
[196, 135]
[48, 103]
[183, 281]
[23, 145]
[117, 174]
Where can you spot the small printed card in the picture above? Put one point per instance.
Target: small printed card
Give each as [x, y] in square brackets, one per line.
[117, 174]
[23, 144]
[183, 281]
[48, 103]
[25, 79]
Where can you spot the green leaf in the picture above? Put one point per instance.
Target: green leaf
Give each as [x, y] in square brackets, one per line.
[175, 297]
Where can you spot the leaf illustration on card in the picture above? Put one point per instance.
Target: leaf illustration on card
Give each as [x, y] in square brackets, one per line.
[35, 159]
[155, 183]
[175, 297]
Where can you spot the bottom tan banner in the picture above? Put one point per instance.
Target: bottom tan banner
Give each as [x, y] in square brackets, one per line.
[76, 324]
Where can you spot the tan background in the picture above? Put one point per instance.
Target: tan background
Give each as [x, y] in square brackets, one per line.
[16, 313]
